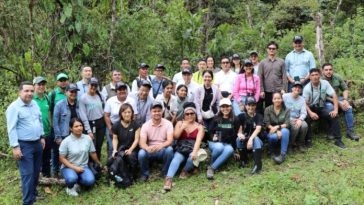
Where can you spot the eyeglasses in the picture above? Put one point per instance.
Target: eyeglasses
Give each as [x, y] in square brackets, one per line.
[189, 113]
[272, 48]
[225, 62]
[143, 68]
[41, 84]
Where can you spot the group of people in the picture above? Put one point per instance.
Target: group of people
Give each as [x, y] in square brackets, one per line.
[234, 108]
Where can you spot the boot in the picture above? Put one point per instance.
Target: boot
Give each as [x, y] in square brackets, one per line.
[351, 135]
[257, 154]
[243, 158]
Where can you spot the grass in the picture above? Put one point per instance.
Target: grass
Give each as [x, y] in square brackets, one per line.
[323, 175]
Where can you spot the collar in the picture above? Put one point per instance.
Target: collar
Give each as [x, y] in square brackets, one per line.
[37, 97]
[157, 125]
[303, 50]
[22, 103]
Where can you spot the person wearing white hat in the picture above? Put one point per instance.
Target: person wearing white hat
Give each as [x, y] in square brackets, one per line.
[188, 133]
[224, 131]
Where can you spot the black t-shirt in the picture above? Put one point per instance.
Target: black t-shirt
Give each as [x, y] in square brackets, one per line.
[207, 99]
[228, 128]
[249, 123]
[73, 110]
[126, 135]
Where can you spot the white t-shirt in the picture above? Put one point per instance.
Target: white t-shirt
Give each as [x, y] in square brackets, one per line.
[192, 87]
[177, 78]
[113, 105]
[225, 81]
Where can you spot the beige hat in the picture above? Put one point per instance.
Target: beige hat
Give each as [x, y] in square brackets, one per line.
[225, 101]
[201, 156]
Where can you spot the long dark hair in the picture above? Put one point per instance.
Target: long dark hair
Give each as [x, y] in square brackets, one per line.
[280, 94]
[74, 120]
[220, 115]
[124, 107]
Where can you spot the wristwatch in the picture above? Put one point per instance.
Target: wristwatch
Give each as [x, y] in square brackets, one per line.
[279, 127]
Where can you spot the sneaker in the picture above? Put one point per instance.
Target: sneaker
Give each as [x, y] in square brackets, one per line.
[330, 137]
[308, 144]
[302, 149]
[340, 144]
[71, 191]
[210, 173]
[77, 188]
[351, 135]
[279, 159]
[183, 174]
[144, 178]
[167, 184]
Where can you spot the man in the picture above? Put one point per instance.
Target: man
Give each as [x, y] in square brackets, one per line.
[272, 74]
[64, 111]
[42, 101]
[315, 94]
[156, 137]
[158, 79]
[25, 131]
[225, 78]
[86, 74]
[177, 78]
[197, 76]
[342, 92]
[109, 90]
[143, 75]
[58, 93]
[187, 80]
[112, 108]
[299, 62]
[298, 125]
[254, 57]
[143, 101]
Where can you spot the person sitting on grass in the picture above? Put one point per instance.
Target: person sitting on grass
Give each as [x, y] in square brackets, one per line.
[74, 153]
[276, 119]
[248, 136]
[224, 131]
[188, 133]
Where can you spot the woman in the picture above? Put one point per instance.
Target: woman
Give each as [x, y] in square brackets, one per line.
[74, 155]
[168, 100]
[224, 131]
[182, 98]
[206, 100]
[246, 84]
[276, 118]
[248, 136]
[126, 138]
[92, 114]
[210, 62]
[236, 65]
[188, 133]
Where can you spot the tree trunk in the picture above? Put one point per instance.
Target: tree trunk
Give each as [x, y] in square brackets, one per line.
[32, 41]
[248, 13]
[206, 25]
[111, 37]
[333, 20]
[51, 181]
[319, 38]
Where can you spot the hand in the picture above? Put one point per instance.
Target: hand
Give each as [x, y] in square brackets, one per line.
[333, 114]
[314, 116]
[58, 140]
[273, 129]
[114, 152]
[241, 136]
[279, 134]
[17, 153]
[79, 169]
[303, 81]
[159, 147]
[184, 125]
[262, 95]
[214, 138]
[128, 151]
[201, 121]
[344, 105]
[282, 92]
[149, 149]
[298, 123]
[250, 143]
[91, 135]
[42, 141]
[194, 155]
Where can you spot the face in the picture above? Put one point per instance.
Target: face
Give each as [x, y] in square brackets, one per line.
[72, 95]
[328, 71]
[296, 90]
[225, 64]
[202, 65]
[187, 77]
[86, 72]
[248, 69]
[225, 109]
[168, 90]
[210, 62]
[40, 87]
[189, 116]
[92, 88]
[254, 58]
[182, 92]
[158, 72]
[207, 79]
[250, 108]
[26, 94]
[272, 50]
[127, 115]
[62, 83]
[315, 77]
[156, 113]
[143, 72]
[77, 128]
[236, 61]
[122, 93]
[116, 76]
[143, 92]
[185, 64]
[298, 45]
[277, 99]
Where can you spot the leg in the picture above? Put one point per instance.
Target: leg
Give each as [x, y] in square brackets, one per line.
[178, 158]
[55, 158]
[294, 133]
[284, 141]
[70, 176]
[257, 155]
[46, 158]
[226, 153]
[268, 99]
[302, 133]
[87, 178]
[272, 140]
[143, 158]
[100, 133]
[243, 152]
[189, 164]
[167, 158]
[109, 142]
[216, 149]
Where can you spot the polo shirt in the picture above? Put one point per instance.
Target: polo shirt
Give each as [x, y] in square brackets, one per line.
[177, 78]
[156, 134]
[43, 104]
[299, 63]
[337, 83]
[313, 95]
[59, 96]
[113, 105]
[225, 80]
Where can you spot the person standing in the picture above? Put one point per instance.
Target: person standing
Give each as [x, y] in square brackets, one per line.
[197, 76]
[236, 64]
[225, 79]
[109, 90]
[272, 73]
[254, 57]
[158, 79]
[142, 75]
[42, 101]
[86, 74]
[299, 62]
[25, 131]
[177, 78]
[143, 101]
[187, 80]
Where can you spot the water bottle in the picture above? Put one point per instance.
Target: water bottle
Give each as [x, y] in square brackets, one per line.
[118, 178]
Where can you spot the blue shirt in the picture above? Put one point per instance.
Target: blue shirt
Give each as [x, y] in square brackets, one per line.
[296, 105]
[24, 122]
[299, 64]
[62, 118]
[83, 88]
[155, 85]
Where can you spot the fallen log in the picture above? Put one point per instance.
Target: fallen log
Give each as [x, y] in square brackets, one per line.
[358, 103]
[4, 155]
[51, 181]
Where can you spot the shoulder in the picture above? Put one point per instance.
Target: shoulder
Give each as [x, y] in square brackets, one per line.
[338, 77]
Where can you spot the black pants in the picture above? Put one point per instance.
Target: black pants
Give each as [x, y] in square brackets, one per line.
[323, 113]
[268, 99]
[100, 127]
[46, 157]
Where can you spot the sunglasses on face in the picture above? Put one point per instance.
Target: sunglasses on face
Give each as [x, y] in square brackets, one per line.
[225, 62]
[189, 113]
[73, 91]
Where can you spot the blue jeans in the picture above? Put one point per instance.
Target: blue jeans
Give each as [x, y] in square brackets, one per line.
[178, 158]
[29, 166]
[166, 155]
[349, 116]
[236, 108]
[86, 178]
[220, 153]
[257, 143]
[273, 139]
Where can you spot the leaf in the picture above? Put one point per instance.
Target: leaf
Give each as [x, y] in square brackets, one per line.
[68, 10]
[78, 26]
[37, 68]
[86, 49]
[69, 46]
[28, 56]
[62, 19]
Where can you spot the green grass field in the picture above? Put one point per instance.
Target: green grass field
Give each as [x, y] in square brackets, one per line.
[323, 175]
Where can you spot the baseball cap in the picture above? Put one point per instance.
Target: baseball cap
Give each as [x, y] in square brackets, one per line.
[39, 79]
[72, 87]
[62, 75]
[156, 103]
[94, 81]
[187, 71]
[248, 62]
[297, 38]
[146, 83]
[224, 101]
[297, 83]
[143, 65]
[160, 66]
[253, 53]
[120, 85]
[250, 100]
[236, 56]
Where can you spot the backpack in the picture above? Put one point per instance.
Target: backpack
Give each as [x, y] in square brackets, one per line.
[118, 171]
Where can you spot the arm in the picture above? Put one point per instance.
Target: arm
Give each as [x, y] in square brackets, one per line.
[135, 143]
[197, 103]
[286, 62]
[83, 116]
[95, 158]
[200, 135]
[236, 88]
[333, 113]
[261, 77]
[108, 121]
[104, 92]
[115, 143]
[257, 87]
[68, 164]
[285, 83]
[143, 139]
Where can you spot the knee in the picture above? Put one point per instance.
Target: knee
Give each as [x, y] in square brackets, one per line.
[285, 131]
[218, 148]
[257, 143]
[168, 151]
[71, 179]
[228, 149]
[304, 125]
[89, 181]
[142, 154]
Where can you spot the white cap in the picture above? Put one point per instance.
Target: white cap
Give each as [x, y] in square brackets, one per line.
[201, 156]
[225, 101]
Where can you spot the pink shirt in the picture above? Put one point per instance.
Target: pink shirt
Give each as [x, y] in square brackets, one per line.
[244, 86]
[156, 134]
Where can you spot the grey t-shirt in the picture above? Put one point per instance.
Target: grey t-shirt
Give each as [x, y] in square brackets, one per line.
[77, 150]
[296, 105]
[313, 94]
[90, 109]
